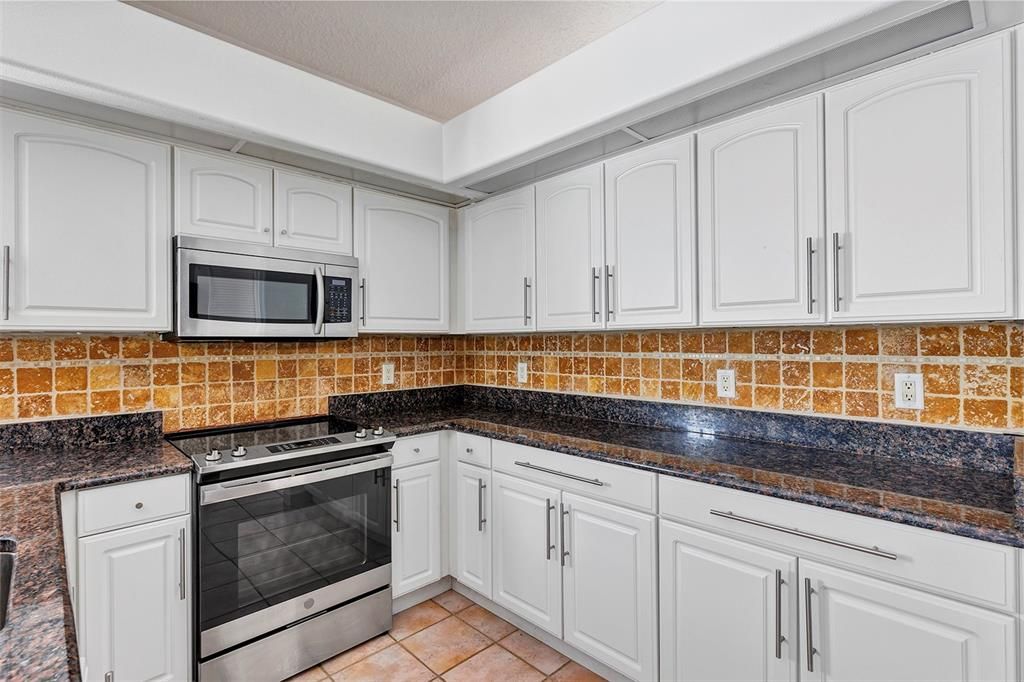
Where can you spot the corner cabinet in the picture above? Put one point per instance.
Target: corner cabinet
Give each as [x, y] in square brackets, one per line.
[761, 217]
[84, 228]
[497, 254]
[919, 188]
[650, 236]
[312, 213]
[402, 246]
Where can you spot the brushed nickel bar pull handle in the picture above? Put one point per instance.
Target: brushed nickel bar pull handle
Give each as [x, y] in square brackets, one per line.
[810, 275]
[591, 481]
[480, 520]
[181, 557]
[873, 551]
[561, 529]
[108, 676]
[321, 302]
[836, 248]
[7, 284]
[362, 304]
[608, 274]
[807, 622]
[398, 508]
[595, 282]
[779, 637]
[526, 301]
[548, 508]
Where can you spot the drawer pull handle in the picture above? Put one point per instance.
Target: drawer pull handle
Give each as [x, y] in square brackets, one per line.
[807, 621]
[591, 481]
[548, 508]
[873, 551]
[398, 508]
[561, 528]
[480, 520]
[138, 505]
[469, 451]
[779, 637]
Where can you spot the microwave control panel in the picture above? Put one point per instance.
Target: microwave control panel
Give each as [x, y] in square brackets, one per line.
[338, 291]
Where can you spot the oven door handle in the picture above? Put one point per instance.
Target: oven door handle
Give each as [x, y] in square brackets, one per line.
[321, 302]
[233, 490]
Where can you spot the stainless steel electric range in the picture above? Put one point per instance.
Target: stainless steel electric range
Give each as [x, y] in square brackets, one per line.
[293, 544]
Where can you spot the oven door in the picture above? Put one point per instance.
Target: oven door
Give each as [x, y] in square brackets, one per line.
[277, 548]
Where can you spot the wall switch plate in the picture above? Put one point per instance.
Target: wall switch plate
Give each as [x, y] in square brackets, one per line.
[909, 390]
[521, 372]
[387, 373]
[726, 383]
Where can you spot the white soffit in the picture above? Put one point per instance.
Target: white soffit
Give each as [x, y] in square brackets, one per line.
[437, 58]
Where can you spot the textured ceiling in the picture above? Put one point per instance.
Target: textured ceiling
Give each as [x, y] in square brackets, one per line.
[436, 58]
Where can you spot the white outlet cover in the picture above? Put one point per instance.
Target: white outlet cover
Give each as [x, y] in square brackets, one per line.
[909, 391]
[521, 370]
[387, 373]
[726, 383]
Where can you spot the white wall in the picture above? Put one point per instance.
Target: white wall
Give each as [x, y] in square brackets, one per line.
[113, 54]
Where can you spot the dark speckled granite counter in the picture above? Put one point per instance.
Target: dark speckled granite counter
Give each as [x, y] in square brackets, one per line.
[37, 462]
[957, 482]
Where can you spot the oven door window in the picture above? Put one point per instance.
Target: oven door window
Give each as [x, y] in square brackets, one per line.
[265, 549]
[244, 295]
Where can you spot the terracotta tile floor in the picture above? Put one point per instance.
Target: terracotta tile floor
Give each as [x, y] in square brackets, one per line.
[452, 638]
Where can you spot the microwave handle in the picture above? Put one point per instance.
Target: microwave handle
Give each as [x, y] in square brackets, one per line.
[321, 302]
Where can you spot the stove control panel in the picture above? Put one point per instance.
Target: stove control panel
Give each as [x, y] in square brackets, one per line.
[302, 444]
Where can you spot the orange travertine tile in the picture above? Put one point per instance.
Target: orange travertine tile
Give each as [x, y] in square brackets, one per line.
[862, 403]
[33, 350]
[7, 408]
[218, 371]
[796, 373]
[828, 402]
[715, 342]
[34, 406]
[136, 347]
[166, 349]
[986, 380]
[669, 342]
[1017, 415]
[70, 404]
[796, 341]
[671, 390]
[898, 340]
[69, 348]
[6, 382]
[767, 397]
[104, 377]
[1016, 340]
[166, 375]
[104, 348]
[6, 350]
[767, 341]
[861, 341]
[34, 380]
[135, 398]
[941, 410]
[741, 342]
[988, 340]
[827, 374]
[941, 379]
[986, 412]
[133, 376]
[767, 372]
[826, 342]
[744, 370]
[193, 372]
[940, 341]
[691, 342]
[860, 375]
[1016, 381]
[71, 378]
[104, 402]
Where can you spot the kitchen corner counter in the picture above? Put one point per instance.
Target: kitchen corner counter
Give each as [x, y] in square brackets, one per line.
[941, 493]
[38, 461]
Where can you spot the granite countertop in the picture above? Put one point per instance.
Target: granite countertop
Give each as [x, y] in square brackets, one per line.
[35, 467]
[971, 501]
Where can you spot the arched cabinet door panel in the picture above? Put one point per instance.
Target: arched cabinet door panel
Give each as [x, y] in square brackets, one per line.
[312, 213]
[222, 197]
[919, 189]
[84, 228]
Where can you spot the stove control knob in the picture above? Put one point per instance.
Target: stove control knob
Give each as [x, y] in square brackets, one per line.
[360, 433]
[378, 430]
[213, 456]
[239, 451]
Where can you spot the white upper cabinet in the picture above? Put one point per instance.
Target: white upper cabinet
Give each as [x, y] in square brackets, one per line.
[761, 217]
[650, 238]
[570, 251]
[1020, 173]
[919, 198]
[312, 213]
[497, 238]
[402, 246]
[84, 228]
[222, 197]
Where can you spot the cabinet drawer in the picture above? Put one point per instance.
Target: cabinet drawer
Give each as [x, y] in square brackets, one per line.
[956, 567]
[473, 449]
[416, 449]
[128, 504]
[604, 481]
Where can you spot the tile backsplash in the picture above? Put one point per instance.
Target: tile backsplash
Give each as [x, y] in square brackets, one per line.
[973, 374]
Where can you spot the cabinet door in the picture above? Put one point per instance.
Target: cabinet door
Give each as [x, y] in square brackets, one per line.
[611, 609]
[221, 197]
[728, 609]
[918, 177]
[472, 527]
[416, 536]
[650, 236]
[872, 631]
[133, 602]
[84, 228]
[497, 245]
[761, 217]
[312, 213]
[527, 569]
[570, 251]
[402, 246]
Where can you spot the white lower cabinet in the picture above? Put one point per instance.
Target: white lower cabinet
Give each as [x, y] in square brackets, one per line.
[866, 629]
[527, 570]
[610, 600]
[133, 602]
[416, 530]
[472, 527]
[728, 608]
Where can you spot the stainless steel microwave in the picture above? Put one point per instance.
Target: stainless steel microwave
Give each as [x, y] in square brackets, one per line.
[228, 290]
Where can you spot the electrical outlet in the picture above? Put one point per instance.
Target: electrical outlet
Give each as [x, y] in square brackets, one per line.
[387, 373]
[726, 383]
[909, 391]
[521, 372]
